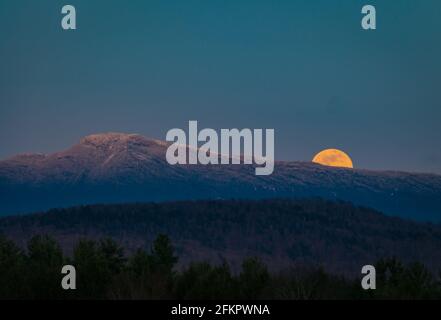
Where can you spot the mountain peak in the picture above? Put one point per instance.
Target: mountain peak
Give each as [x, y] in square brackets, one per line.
[109, 137]
[112, 138]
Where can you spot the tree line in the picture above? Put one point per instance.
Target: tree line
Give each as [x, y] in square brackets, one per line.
[339, 235]
[104, 271]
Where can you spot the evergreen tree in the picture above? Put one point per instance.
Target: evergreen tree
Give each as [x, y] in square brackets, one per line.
[44, 263]
[253, 278]
[12, 271]
[93, 270]
[163, 254]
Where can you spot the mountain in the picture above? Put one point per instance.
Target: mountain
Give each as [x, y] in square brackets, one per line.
[116, 167]
[338, 236]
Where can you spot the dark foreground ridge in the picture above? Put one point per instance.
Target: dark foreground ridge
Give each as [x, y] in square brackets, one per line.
[103, 271]
[338, 236]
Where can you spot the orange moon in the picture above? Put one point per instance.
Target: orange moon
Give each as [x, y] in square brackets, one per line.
[333, 158]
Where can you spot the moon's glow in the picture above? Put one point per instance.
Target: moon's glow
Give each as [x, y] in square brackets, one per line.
[333, 158]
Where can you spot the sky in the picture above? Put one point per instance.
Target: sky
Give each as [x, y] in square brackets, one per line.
[305, 68]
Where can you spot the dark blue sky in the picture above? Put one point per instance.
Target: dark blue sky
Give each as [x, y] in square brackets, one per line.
[304, 68]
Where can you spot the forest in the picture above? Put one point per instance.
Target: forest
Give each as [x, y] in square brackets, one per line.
[283, 233]
[105, 271]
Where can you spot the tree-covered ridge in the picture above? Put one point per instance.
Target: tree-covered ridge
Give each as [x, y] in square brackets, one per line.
[104, 271]
[282, 233]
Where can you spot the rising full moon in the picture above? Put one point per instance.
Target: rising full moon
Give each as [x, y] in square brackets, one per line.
[333, 158]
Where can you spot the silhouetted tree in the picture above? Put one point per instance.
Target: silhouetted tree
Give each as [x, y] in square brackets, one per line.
[12, 271]
[253, 278]
[44, 262]
[203, 281]
[113, 255]
[93, 271]
[163, 254]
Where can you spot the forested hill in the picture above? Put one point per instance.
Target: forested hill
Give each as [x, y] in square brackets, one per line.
[339, 236]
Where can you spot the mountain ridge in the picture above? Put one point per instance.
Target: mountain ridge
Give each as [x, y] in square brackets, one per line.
[119, 167]
[100, 139]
